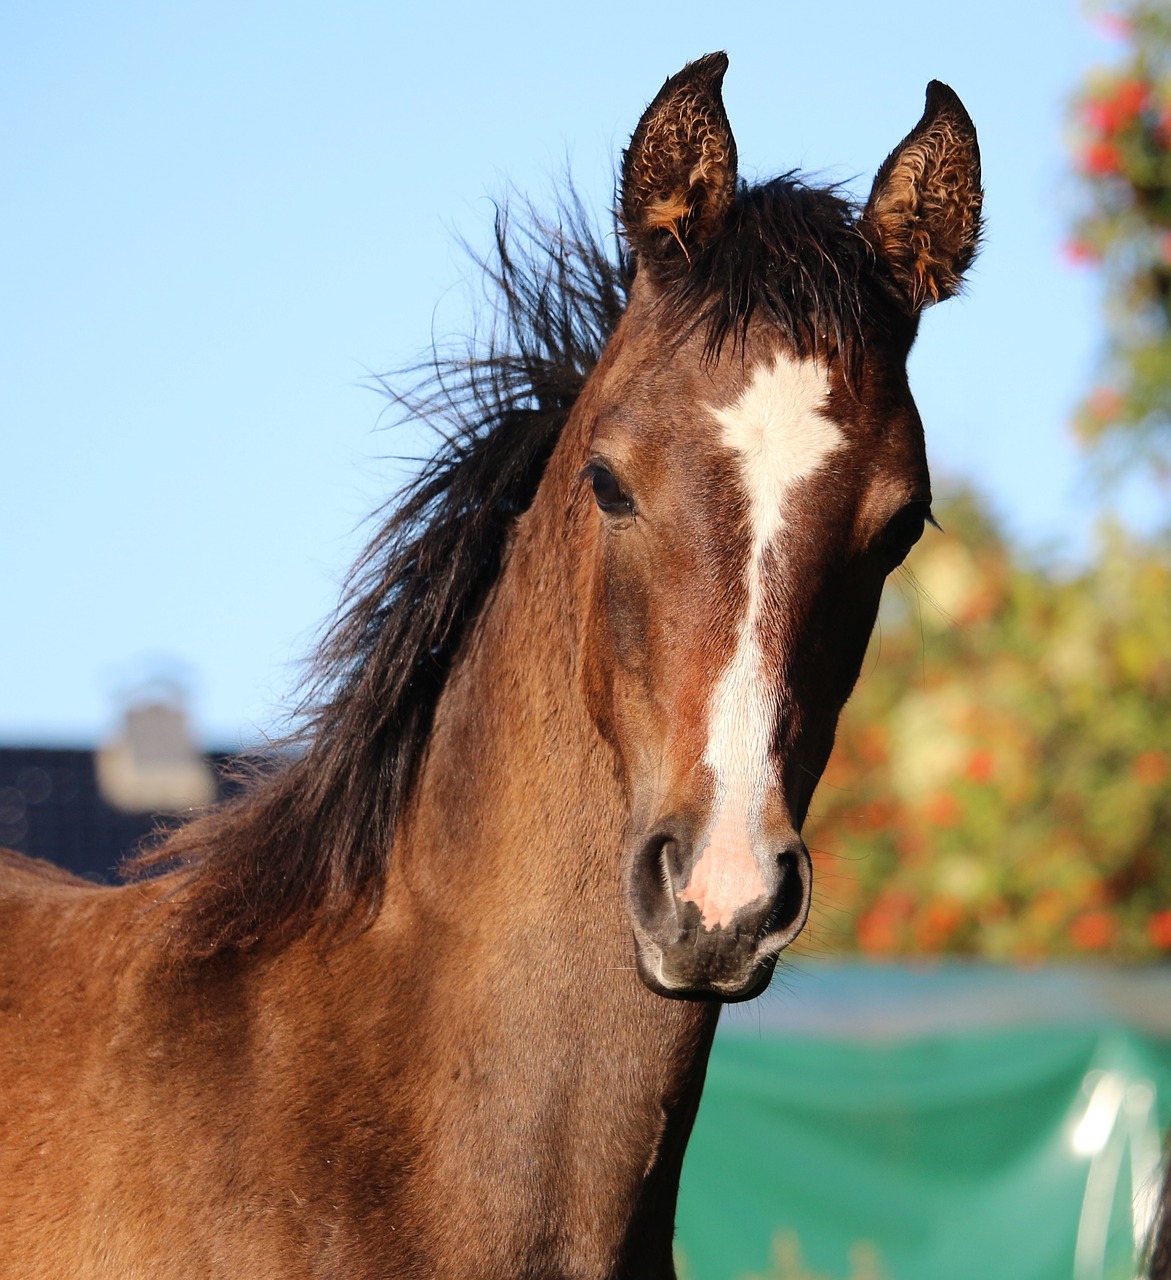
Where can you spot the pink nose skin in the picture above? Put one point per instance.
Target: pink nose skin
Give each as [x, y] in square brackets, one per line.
[726, 877]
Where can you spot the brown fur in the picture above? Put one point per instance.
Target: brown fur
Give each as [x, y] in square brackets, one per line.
[681, 164]
[476, 1084]
[925, 208]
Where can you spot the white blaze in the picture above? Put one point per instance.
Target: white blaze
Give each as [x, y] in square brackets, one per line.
[780, 434]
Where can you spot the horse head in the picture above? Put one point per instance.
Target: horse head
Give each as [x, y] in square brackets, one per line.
[754, 468]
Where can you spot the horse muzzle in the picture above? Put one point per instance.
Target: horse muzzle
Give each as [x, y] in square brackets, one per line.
[700, 943]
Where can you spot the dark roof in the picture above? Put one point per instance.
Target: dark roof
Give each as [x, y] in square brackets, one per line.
[51, 808]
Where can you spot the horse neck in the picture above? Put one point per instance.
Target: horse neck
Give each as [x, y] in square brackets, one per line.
[558, 1057]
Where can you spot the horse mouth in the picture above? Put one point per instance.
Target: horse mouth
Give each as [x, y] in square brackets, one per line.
[664, 979]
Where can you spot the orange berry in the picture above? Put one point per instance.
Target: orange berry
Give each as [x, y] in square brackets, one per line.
[1077, 253]
[981, 765]
[1104, 403]
[1129, 99]
[1101, 159]
[1093, 930]
[1159, 930]
[943, 809]
[1151, 768]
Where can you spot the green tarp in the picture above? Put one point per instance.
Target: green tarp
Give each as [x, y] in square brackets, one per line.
[1027, 1150]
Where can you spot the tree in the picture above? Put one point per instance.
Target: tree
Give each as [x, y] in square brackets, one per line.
[1000, 784]
[1123, 147]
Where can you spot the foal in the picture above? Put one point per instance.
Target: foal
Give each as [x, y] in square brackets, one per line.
[381, 1016]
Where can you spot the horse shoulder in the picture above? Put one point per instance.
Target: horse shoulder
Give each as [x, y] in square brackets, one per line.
[18, 868]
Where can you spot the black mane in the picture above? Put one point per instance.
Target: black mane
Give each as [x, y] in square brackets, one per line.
[307, 843]
[794, 255]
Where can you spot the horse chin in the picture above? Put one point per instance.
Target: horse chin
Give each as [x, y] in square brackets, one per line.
[657, 974]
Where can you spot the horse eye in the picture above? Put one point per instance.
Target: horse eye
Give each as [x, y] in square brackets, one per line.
[901, 534]
[607, 491]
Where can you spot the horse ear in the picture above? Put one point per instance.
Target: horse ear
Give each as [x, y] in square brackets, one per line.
[679, 172]
[924, 210]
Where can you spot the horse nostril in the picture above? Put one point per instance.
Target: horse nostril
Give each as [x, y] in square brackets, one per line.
[655, 878]
[791, 905]
[653, 872]
[665, 850]
[660, 861]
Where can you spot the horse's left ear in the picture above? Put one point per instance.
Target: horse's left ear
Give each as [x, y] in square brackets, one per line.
[923, 214]
[679, 172]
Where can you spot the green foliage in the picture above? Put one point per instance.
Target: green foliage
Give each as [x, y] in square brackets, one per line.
[1123, 147]
[1000, 784]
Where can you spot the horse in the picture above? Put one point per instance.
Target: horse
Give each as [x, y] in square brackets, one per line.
[433, 996]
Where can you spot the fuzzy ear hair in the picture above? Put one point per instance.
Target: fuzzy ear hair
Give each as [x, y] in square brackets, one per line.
[924, 209]
[679, 172]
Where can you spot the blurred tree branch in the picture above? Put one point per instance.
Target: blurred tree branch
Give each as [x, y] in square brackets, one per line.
[1122, 145]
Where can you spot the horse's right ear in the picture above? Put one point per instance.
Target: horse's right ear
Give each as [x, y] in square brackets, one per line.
[923, 214]
[679, 172]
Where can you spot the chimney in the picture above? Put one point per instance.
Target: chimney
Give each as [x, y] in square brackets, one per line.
[152, 765]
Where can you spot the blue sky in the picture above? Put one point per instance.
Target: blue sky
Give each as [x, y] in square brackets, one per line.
[220, 218]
